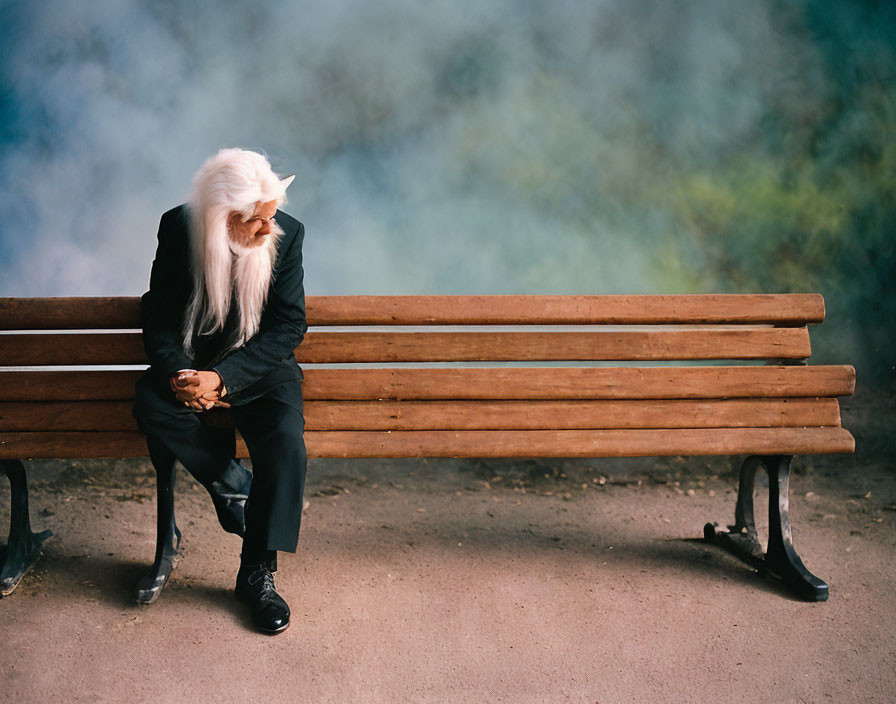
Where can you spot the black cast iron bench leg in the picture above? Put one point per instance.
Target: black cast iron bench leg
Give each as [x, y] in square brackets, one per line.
[23, 547]
[780, 558]
[168, 537]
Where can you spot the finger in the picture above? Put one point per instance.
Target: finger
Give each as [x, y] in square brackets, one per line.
[222, 404]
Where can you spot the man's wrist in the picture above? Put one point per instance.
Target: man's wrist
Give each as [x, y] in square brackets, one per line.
[222, 389]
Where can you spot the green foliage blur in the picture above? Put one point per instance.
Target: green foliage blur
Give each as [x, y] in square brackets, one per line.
[812, 216]
[802, 200]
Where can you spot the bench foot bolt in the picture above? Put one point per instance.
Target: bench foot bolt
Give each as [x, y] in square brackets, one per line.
[780, 558]
[23, 547]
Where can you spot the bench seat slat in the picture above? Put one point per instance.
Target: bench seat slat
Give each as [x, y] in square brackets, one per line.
[579, 443]
[122, 313]
[483, 383]
[474, 443]
[568, 415]
[581, 383]
[464, 415]
[352, 347]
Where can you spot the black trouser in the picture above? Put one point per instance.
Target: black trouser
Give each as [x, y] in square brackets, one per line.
[272, 426]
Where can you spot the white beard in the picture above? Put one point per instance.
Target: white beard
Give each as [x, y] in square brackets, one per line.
[224, 269]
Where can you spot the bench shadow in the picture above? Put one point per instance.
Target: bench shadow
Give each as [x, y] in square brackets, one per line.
[712, 562]
[637, 553]
[113, 579]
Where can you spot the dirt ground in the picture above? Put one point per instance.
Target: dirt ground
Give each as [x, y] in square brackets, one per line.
[461, 581]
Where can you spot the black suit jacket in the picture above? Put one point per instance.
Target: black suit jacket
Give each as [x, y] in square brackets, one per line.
[267, 358]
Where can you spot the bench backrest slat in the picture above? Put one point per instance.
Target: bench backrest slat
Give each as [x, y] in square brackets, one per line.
[485, 443]
[35, 349]
[778, 309]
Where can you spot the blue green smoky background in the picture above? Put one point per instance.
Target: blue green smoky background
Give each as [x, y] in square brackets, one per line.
[610, 146]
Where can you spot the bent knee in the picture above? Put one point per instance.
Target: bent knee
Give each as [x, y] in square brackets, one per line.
[287, 435]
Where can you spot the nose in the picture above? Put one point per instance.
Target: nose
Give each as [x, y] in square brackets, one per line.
[265, 228]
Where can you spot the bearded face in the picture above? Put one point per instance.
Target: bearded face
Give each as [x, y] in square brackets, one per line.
[233, 260]
[250, 233]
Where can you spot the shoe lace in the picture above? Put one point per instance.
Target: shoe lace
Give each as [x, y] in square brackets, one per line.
[262, 579]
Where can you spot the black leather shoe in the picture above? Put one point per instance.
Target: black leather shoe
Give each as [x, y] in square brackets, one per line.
[229, 496]
[255, 586]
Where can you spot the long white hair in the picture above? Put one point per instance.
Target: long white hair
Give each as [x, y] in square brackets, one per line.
[232, 180]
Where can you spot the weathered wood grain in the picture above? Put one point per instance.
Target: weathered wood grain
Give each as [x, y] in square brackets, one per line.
[579, 443]
[75, 313]
[627, 345]
[568, 383]
[473, 443]
[68, 385]
[568, 415]
[34, 349]
[464, 415]
[783, 309]
[385, 347]
[122, 313]
[581, 383]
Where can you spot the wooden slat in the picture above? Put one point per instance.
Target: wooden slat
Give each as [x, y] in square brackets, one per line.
[68, 386]
[380, 347]
[464, 415]
[579, 443]
[78, 313]
[71, 349]
[21, 416]
[484, 383]
[474, 443]
[73, 445]
[781, 309]
[580, 383]
[568, 415]
[640, 345]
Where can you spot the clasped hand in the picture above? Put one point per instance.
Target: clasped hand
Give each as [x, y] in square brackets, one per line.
[199, 391]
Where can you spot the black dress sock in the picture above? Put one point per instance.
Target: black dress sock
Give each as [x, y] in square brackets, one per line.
[251, 558]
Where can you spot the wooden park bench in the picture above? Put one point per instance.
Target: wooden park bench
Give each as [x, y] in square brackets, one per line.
[464, 376]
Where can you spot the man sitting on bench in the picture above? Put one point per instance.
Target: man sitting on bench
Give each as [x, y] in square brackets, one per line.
[223, 315]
